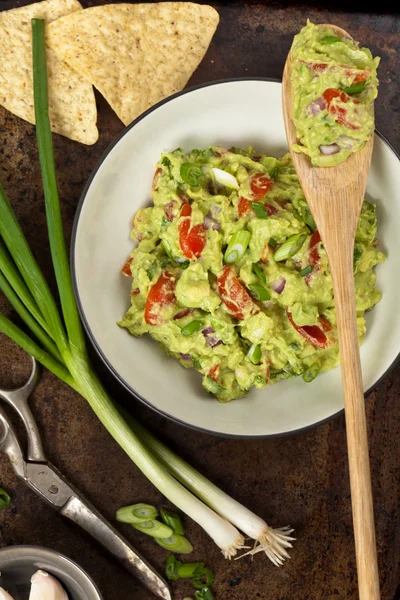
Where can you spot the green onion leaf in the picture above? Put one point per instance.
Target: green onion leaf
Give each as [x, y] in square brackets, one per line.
[237, 246]
[330, 39]
[357, 88]
[272, 243]
[258, 272]
[204, 594]
[308, 219]
[136, 513]
[196, 363]
[176, 570]
[175, 543]
[166, 162]
[173, 520]
[311, 373]
[306, 271]
[357, 253]
[259, 210]
[212, 386]
[290, 247]
[203, 577]
[154, 529]
[168, 248]
[254, 354]
[191, 174]
[259, 292]
[191, 328]
[274, 172]
[5, 499]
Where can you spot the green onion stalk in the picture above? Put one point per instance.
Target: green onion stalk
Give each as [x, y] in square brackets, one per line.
[60, 343]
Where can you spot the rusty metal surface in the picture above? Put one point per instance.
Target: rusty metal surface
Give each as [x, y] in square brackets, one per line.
[301, 480]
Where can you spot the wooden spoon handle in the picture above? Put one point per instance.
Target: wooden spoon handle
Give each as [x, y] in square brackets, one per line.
[356, 425]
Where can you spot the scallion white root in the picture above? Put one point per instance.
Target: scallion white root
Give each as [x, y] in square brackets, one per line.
[274, 542]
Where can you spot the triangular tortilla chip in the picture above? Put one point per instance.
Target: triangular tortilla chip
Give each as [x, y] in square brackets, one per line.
[135, 54]
[72, 105]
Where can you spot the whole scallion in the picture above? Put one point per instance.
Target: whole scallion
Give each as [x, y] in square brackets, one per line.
[213, 510]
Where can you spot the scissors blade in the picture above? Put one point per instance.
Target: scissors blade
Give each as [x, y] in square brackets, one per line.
[50, 484]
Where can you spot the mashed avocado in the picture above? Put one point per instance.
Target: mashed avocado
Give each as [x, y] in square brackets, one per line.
[335, 84]
[230, 275]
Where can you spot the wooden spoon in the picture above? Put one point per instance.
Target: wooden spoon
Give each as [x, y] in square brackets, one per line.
[335, 196]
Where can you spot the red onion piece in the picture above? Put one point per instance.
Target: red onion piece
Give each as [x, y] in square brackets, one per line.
[207, 331]
[211, 340]
[183, 313]
[210, 223]
[330, 149]
[315, 107]
[279, 285]
[185, 356]
[214, 210]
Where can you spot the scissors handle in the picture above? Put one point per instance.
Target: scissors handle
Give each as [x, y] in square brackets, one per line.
[18, 399]
[9, 444]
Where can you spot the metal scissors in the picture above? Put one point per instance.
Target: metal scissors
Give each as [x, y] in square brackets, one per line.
[42, 477]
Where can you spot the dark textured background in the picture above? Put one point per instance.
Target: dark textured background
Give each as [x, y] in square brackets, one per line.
[300, 480]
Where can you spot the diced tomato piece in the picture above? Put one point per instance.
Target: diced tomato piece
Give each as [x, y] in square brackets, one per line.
[170, 210]
[358, 75]
[184, 199]
[244, 207]
[135, 292]
[312, 333]
[318, 67]
[214, 372]
[336, 110]
[325, 324]
[126, 270]
[156, 177]
[271, 209]
[314, 256]
[192, 240]
[233, 294]
[186, 210]
[183, 313]
[260, 185]
[161, 294]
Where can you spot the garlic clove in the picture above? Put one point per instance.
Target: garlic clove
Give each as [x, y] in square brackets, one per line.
[46, 587]
[5, 595]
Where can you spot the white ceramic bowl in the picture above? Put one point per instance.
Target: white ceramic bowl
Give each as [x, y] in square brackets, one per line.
[230, 113]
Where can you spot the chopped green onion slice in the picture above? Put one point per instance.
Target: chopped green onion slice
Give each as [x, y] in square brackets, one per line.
[203, 577]
[254, 354]
[175, 570]
[330, 39]
[212, 386]
[357, 253]
[272, 243]
[191, 174]
[196, 363]
[167, 247]
[165, 161]
[175, 543]
[259, 209]
[311, 373]
[191, 328]
[154, 529]
[204, 594]
[258, 272]
[274, 172]
[309, 219]
[290, 247]
[5, 499]
[357, 88]
[306, 271]
[259, 292]
[172, 520]
[237, 246]
[136, 513]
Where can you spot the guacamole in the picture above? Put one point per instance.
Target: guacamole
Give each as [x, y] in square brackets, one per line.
[334, 84]
[230, 275]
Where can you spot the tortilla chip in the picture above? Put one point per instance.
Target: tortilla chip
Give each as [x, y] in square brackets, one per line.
[135, 54]
[72, 105]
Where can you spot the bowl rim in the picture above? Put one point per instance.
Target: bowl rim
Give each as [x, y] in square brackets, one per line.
[43, 553]
[88, 330]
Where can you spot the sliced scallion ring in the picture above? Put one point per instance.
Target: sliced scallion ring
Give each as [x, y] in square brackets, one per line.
[258, 272]
[259, 210]
[154, 529]
[175, 543]
[290, 247]
[136, 513]
[259, 292]
[191, 328]
[191, 174]
[306, 271]
[237, 246]
[311, 373]
[254, 354]
[330, 39]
